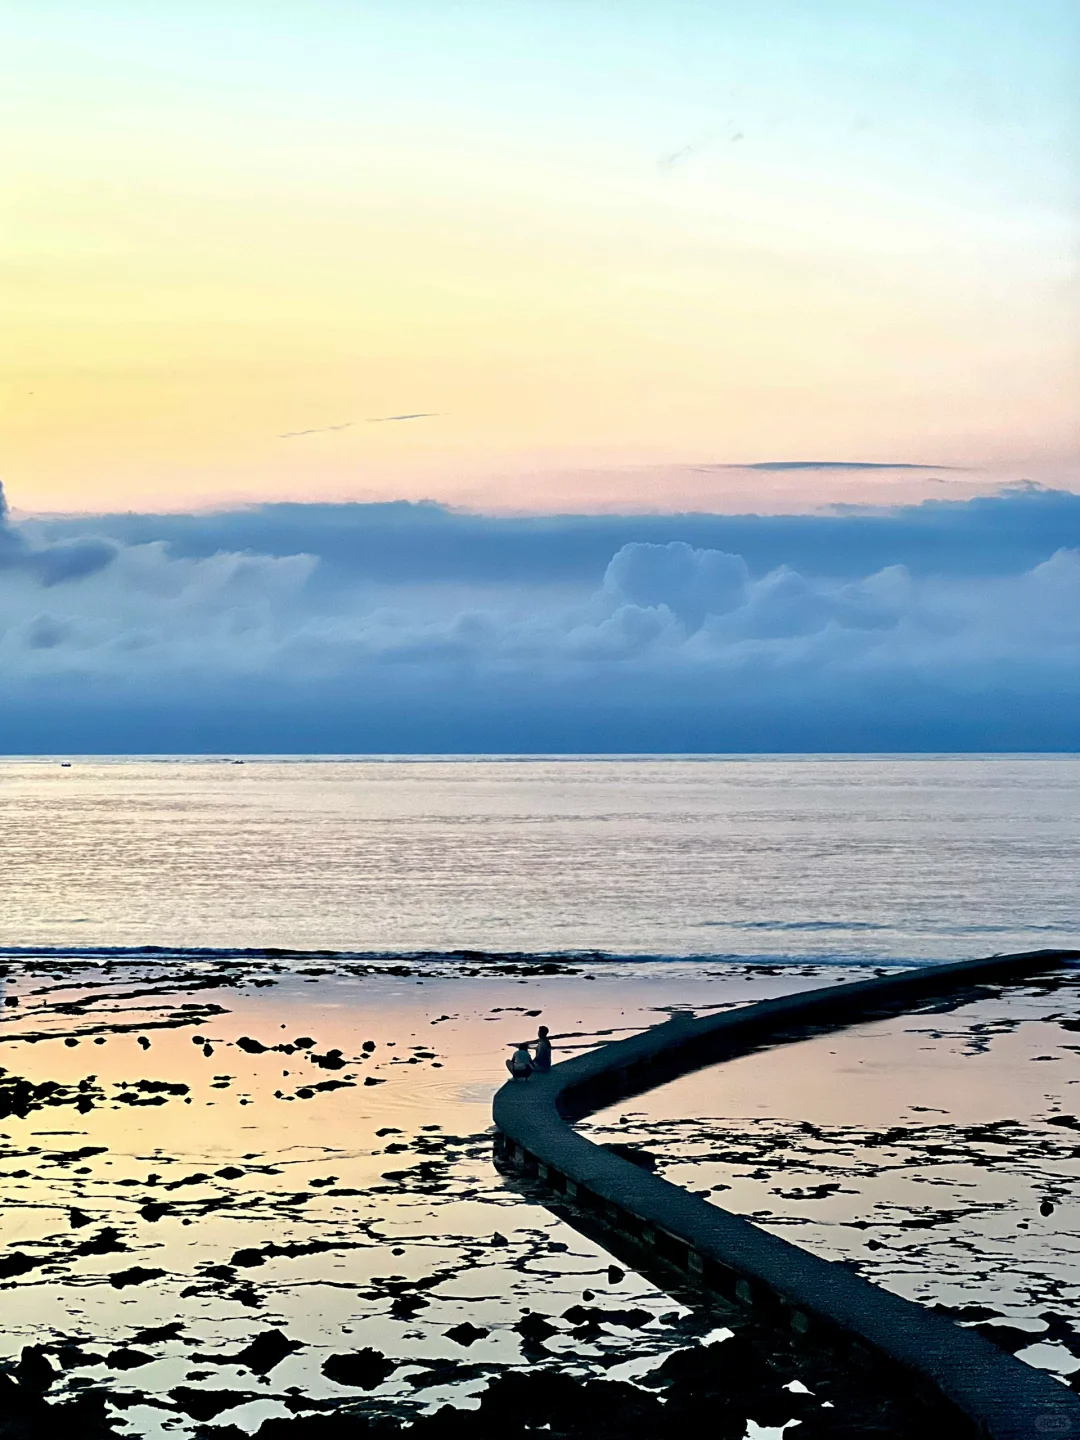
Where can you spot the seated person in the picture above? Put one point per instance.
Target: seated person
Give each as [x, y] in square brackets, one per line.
[542, 1051]
[520, 1063]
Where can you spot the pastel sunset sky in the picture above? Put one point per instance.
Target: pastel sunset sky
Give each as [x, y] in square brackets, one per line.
[598, 252]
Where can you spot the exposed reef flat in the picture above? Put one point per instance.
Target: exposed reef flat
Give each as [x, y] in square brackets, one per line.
[256, 1197]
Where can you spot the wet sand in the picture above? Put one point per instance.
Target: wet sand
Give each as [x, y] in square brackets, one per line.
[194, 1160]
[937, 1153]
[236, 1196]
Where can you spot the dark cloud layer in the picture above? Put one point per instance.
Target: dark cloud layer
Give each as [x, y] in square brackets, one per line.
[403, 542]
[352, 628]
[55, 560]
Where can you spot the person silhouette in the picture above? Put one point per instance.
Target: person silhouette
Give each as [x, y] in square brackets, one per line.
[520, 1063]
[542, 1051]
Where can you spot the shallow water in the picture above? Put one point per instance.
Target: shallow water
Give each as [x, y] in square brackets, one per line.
[185, 1173]
[937, 1152]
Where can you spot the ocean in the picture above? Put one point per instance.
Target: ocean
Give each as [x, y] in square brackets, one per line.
[845, 859]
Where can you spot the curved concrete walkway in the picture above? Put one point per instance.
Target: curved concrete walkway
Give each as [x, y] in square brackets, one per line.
[1004, 1398]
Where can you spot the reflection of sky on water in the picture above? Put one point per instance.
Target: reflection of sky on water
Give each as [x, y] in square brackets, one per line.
[280, 1191]
[919, 1148]
[800, 856]
[387, 1240]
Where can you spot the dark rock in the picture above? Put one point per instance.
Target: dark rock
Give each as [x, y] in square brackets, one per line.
[466, 1334]
[127, 1359]
[520, 1403]
[137, 1275]
[205, 1404]
[406, 1306]
[330, 1061]
[35, 1370]
[266, 1350]
[363, 1370]
[15, 1263]
[324, 1427]
[535, 1329]
[26, 1416]
[594, 1315]
[966, 1312]
[71, 1355]
[158, 1332]
[723, 1368]
[248, 1258]
[1059, 1330]
[106, 1242]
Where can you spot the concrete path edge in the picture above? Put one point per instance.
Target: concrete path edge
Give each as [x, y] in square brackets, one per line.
[1004, 1398]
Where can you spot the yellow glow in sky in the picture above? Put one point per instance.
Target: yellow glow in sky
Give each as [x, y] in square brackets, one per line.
[196, 264]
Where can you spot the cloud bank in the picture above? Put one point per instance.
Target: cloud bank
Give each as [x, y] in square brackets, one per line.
[382, 628]
[400, 542]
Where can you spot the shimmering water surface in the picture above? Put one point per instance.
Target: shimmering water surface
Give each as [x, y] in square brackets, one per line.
[825, 856]
[199, 1147]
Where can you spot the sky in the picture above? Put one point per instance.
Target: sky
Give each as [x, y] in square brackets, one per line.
[539, 375]
[533, 256]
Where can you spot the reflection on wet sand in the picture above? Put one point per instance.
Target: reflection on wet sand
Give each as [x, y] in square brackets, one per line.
[233, 1196]
[245, 1198]
[937, 1153]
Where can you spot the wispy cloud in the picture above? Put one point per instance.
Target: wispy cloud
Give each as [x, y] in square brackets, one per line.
[672, 158]
[348, 424]
[316, 430]
[782, 465]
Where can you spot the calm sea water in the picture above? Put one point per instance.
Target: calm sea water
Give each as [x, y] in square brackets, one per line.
[844, 858]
